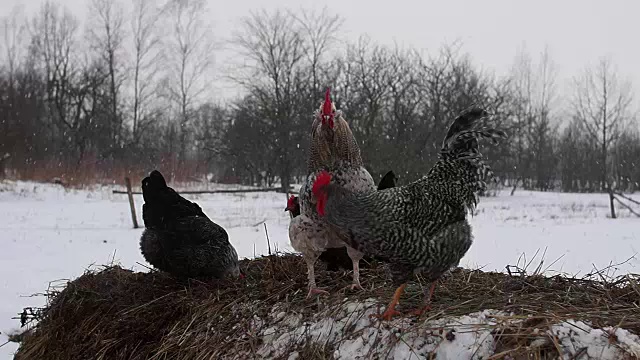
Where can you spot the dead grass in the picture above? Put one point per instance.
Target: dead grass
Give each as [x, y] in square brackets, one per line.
[92, 171]
[115, 313]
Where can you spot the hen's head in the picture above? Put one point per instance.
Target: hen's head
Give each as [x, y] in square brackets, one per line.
[233, 269]
[152, 185]
[319, 191]
[293, 206]
[327, 110]
[234, 273]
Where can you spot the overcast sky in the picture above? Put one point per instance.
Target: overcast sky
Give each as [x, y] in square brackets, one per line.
[577, 32]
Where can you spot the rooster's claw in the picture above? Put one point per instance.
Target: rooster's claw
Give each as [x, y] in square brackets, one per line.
[387, 315]
[421, 310]
[316, 291]
[356, 287]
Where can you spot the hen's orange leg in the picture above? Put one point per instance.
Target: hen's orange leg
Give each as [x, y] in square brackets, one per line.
[427, 306]
[391, 308]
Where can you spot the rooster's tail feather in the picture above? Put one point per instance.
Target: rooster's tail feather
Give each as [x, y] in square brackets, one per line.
[461, 141]
[460, 146]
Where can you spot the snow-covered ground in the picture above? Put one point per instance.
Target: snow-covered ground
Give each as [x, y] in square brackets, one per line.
[50, 233]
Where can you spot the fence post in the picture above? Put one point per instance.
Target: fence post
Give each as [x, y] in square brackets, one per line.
[611, 204]
[131, 203]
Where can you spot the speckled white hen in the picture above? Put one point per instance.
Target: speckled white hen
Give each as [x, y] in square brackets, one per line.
[333, 148]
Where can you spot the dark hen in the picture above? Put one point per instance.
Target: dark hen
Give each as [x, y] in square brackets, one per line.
[179, 238]
[420, 227]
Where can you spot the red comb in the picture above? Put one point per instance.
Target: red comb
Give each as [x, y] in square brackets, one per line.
[326, 107]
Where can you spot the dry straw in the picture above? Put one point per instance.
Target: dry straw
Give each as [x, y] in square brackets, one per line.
[114, 313]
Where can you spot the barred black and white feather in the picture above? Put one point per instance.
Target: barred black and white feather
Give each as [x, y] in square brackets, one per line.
[338, 258]
[421, 226]
[460, 155]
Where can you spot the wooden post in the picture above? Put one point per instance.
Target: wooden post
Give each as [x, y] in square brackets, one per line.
[611, 204]
[131, 203]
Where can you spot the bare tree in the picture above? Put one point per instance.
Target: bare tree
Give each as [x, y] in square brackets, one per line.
[106, 36]
[65, 97]
[145, 39]
[449, 83]
[546, 125]
[320, 31]
[403, 108]
[542, 127]
[278, 76]
[523, 87]
[274, 48]
[55, 39]
[602, 105]
[533, 104]
[12, 29]
[627, 161]
[190, 49]
[371, 72]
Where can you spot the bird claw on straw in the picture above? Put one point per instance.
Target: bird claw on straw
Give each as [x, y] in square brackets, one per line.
[356, 287]
[353, 287]
[421, 310]
[387, 315]
[316, 291]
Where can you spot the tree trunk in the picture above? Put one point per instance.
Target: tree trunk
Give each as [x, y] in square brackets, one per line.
[285, 178]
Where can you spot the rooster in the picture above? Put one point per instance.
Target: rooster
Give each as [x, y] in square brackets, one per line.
[420, 227]
[338, 258]
[179, 238]
[331, 139]
[333, 147]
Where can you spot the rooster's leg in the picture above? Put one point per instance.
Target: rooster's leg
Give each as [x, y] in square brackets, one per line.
[355, 256]
[356, 276]
[427, 306]
[391, 308]
[310, 259]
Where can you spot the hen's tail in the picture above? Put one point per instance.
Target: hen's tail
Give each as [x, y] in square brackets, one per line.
[460, 150]
[388, 181]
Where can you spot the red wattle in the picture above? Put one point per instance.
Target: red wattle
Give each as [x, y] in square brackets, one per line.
[321, 203]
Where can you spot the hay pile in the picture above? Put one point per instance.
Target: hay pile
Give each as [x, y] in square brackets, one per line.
[118, 314]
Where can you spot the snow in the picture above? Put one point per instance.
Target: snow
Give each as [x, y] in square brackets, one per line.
[51, 233]
[574, 228]
[470, 336]
[577, 337]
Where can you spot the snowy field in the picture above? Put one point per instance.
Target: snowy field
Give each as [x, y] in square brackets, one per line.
[49, 233]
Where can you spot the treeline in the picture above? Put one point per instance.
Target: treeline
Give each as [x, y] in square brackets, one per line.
[130, 92]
